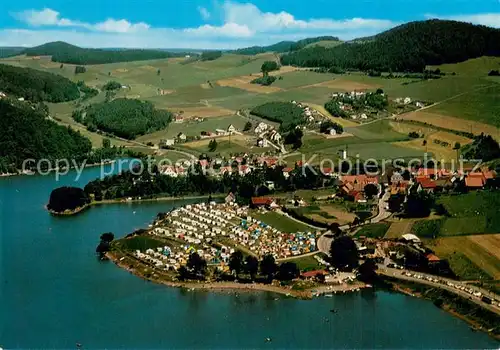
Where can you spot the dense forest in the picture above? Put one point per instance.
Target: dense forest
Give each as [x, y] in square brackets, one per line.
[287, 114]
[66, 53]
[284, 46]
[67, 198]
[27, 133]
[210, 55]
[409, 47]
[35, 85]
[127, 118]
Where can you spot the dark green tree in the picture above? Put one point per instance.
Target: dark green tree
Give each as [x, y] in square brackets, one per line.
[344, 253]
[251, 266]
[268, 266]
[248, 126]
[288, 271]
[236, 262]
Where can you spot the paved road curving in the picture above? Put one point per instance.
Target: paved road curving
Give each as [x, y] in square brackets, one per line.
[399, 274]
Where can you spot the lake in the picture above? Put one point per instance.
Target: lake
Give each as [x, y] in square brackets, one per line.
[55, 293]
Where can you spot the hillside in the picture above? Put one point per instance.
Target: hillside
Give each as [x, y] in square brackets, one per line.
[66, 53]
[26, 133]
[284, 46]
[10, 51]
[35, 85]
[409, 47]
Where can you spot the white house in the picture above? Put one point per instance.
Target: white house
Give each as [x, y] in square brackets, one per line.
[261, 128]
[231, 129]
[181, 136]
[2, 95]
[262, 143]
[363, 116]
[332, 131]
[407, 101]
[275, 136]
[169, 142]
[419, 105]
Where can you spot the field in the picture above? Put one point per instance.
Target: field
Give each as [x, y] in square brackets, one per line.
[445, 121]
[373, 230]
[442, 153]
[471, 253]
[225, 146]
[469, 214]
[215, 90]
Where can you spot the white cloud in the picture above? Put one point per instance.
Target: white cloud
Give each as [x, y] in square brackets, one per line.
[485, 19]
[250, 15]
[228, 30]
[45, 17]
[242, 24]
[120, 26]
[204, 13]
[49, 17]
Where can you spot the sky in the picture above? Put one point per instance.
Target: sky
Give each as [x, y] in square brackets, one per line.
[222, 24]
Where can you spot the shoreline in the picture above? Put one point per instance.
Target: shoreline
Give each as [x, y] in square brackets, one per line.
[235, 286]
[306, 294]
[399, 286]
[69, 213]
[124, 201]
[31, 173]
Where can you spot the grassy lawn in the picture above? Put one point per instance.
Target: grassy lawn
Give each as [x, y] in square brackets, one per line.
[380, 130]
[465, 268]
[469, 214]
[470, 257]
[307, 263]
[138, 243]
[281, 222]
[474, 212]
[373, 230]
[481, 106]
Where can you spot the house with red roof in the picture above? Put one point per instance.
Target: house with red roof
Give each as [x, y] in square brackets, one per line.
[261, 201]
[474, 182]
[313, 274]
[426, 184]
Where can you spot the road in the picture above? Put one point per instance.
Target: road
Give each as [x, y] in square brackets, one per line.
[400, 274]
[382, 211]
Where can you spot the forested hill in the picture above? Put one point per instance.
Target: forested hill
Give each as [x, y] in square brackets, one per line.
[127, 118]
[66, 53]
[35, 85]
[26, 133]
[409, 47]
[284, 46]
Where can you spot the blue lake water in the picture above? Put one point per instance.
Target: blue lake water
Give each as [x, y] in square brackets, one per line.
[55, 293]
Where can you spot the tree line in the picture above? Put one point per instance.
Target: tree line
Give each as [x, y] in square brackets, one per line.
[409, 47]
[197, 182]
[65, 53]
[35, 85]
[284, 46]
